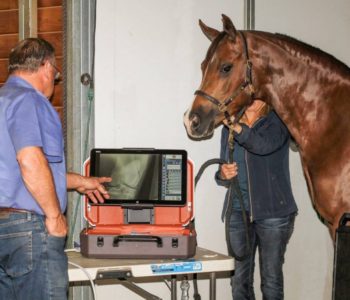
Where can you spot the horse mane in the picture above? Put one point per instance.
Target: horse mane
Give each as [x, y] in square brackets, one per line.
[289, 43]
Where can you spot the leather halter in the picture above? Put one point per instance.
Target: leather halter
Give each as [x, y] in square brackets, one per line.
[247, 83]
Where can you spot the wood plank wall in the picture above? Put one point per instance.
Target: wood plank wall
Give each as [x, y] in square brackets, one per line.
[50, 27]
[8, 33]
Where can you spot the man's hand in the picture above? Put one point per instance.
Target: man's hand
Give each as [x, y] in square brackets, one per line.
[56, 226]
[228, 171]
[94, 189]
[90, 186]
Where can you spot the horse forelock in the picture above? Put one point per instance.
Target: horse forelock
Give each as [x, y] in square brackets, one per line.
[212, 49]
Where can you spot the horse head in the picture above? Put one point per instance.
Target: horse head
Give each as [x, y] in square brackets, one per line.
[226, 85]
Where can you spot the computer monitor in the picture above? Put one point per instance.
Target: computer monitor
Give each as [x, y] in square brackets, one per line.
[142, 177]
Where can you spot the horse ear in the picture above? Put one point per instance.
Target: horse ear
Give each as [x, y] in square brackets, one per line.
[210, 33]
[229, 28]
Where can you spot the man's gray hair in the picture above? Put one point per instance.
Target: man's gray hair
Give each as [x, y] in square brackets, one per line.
[29, 54]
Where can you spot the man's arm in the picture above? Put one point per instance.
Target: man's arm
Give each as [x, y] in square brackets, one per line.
[38, 179]
[91, 186]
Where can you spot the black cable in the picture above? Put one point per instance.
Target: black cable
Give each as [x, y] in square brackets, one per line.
[206, 165]
[196, 295]
[234, 186]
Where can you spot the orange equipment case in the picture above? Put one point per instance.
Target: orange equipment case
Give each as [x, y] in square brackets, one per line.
[171, 235]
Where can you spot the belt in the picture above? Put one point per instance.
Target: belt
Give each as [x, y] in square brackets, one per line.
[16, 210]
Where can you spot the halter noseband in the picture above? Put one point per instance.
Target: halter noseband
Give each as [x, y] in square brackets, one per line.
[223, 105]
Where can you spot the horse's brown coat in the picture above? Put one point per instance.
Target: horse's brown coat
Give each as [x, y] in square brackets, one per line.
[309, 90]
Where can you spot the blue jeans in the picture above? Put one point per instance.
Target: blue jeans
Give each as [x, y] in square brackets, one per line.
[33, 264]
[270, 237]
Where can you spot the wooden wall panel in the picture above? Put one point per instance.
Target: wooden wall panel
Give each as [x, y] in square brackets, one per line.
[60, 111]
[8, 4]
[8, 34]
[50, 28]
[3, 70]
[7, 42]
[50, 19]
[56, 99]
[47, 3]
[8, 21]
[59, 63]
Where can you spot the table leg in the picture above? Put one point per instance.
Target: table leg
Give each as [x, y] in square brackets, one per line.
[138, 290]
[212, 291]
[173, 287]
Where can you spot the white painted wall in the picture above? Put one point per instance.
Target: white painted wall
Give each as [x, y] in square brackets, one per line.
[148, 56]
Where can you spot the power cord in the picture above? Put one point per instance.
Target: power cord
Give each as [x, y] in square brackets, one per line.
[92, 284]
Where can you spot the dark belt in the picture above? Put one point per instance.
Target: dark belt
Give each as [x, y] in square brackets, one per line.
[16, 210]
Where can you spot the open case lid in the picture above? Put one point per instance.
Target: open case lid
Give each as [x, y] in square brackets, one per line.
[109, 216]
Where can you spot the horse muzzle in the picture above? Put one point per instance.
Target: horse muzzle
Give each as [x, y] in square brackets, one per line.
[197, 125]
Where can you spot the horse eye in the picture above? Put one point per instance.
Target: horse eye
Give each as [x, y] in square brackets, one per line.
[226, 68]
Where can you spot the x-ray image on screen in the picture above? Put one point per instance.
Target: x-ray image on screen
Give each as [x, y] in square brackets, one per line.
[134, 176]
[142, 177]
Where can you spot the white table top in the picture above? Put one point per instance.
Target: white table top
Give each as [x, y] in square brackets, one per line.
[205, 261]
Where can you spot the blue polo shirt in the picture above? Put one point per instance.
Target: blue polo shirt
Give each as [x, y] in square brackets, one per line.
[28, 119]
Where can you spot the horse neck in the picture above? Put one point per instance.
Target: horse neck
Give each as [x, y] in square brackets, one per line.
[291, 81]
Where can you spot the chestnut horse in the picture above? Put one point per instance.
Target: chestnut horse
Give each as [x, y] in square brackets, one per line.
[309, 90]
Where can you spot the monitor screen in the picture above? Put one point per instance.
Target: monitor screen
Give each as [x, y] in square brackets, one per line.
[142, 176]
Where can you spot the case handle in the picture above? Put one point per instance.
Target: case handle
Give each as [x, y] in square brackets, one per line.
[137, 238]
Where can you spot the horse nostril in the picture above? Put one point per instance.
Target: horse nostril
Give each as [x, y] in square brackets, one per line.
[195, 121]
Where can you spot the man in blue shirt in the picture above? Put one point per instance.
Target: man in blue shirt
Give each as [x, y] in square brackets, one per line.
[33, 179]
